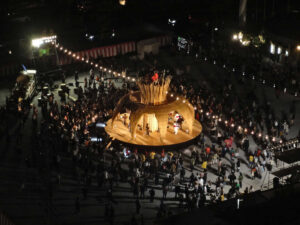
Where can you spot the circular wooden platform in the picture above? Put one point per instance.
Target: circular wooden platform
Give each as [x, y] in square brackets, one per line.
[121, 133]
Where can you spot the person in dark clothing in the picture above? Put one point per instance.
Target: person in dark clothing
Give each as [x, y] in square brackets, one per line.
[165, 191]
[232, 178]
[162, 208]
[84, 192]
[152, 194]
[156, 179]
[142, 191]
[76, 75]
[177, 191]
[238, 165]
[111, 215]
[137, 206]
[182, 174]
[77, 205]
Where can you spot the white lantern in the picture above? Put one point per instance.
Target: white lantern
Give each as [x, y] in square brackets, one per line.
[122, 2]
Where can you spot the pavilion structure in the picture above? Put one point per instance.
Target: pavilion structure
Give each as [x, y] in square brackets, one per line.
[153, 117]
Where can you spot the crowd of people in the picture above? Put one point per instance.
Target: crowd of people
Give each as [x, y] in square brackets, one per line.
[228, 120]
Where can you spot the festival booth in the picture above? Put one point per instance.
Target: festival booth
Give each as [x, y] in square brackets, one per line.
[147, 46]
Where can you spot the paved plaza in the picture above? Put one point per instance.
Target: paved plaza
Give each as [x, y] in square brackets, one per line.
[23, 191]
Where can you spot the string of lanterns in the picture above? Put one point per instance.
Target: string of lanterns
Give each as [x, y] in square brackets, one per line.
[172, 95]
[253, 76]
[291, 143]
[87, 61]
[226, 122]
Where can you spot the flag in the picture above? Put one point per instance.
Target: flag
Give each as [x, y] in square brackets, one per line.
[24, 68]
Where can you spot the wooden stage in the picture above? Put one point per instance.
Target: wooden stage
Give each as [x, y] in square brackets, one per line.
[121, 133]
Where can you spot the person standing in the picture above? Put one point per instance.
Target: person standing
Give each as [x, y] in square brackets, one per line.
[111, 215]
[177, 191]
[238, 165]
[142, 190]
[137, 206]
[241, 177]
[77, 205]
[147, 129]
[165, 191]
[76, 76]
[152, 194]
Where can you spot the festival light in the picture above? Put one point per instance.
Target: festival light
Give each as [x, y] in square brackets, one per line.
[122, 2]
[272, 48]
[39, 41]
[240, 35]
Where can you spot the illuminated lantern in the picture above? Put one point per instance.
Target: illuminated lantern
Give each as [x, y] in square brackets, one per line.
[122, 2]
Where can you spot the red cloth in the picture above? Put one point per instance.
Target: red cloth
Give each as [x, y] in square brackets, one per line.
[258, 152]
[154, 77]
[207, 150]
[197, 116]
[228, 142]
